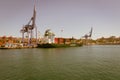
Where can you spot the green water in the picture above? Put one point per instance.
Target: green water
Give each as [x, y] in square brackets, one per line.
[78, 63]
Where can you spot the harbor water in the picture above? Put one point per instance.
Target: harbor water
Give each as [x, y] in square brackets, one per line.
[75, 63]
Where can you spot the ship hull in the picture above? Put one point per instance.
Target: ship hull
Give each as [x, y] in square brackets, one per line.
[58, 45]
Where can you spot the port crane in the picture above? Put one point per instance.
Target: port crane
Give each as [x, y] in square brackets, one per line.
[88, 36]
[29, 27]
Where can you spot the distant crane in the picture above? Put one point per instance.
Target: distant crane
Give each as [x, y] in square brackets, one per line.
[29, 27]
[88, 36]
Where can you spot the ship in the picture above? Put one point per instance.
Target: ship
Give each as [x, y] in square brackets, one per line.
[50, 41]
[47, 45]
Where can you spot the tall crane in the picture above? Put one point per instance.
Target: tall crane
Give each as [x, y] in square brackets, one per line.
[29, 27]
[88, 36]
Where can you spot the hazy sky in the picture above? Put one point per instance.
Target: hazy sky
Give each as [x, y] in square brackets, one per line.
[75, 17]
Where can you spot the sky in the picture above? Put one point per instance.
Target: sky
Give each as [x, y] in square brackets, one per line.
[74, 17]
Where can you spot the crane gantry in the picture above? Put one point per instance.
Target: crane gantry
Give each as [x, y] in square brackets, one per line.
[88, 36]
[29, 27]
